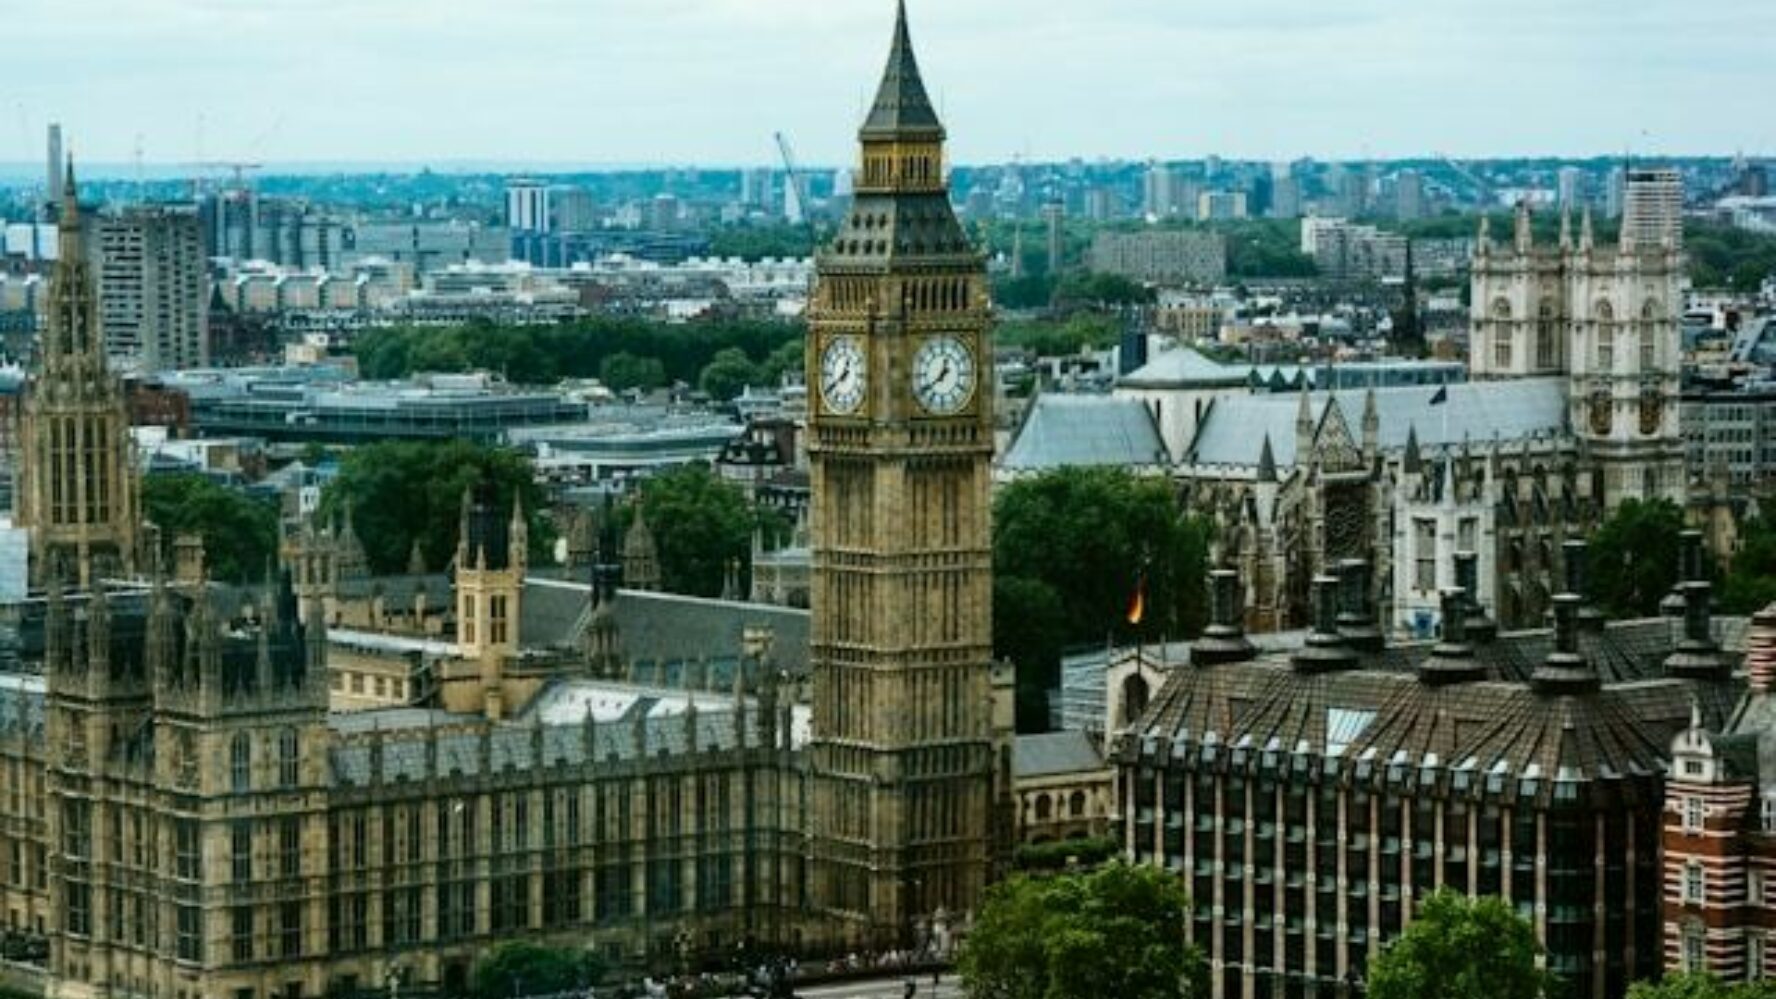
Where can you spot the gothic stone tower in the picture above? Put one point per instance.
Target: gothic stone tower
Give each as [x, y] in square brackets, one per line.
[900, 445]
[1605, 319]
[76, 492]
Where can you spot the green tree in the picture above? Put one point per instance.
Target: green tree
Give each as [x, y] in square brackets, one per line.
[700, 524]
[1700, 987]
[402, 492]
[1114, 931]
[523, 968]
[1030, 629]
[625, 371]
[240, 533]
[788, 359]
[1092, 537]
[725, 377]
[1751, 581]
[1461, 948]
[1089, 288]
[1634, 558]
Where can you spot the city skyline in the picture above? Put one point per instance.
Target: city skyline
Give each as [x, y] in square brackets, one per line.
[573, 84]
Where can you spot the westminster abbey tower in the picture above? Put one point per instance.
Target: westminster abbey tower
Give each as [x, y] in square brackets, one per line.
[900, 446]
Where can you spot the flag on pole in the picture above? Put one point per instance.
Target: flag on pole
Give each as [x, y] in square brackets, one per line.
[1138, 604]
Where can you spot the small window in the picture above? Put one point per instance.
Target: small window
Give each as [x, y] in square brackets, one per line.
[1043, 808]
[1769, 813]
[1692, 814]
[1694, 882]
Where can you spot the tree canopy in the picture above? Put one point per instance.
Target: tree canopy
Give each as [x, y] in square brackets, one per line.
[1634, 558]
[543, 355]
[1461, 948]
[1750, 585]
[240, 533]
[700, 523]
[1700, 987]
[1070, 549]
[1114, 931]
[523, 968]
[402, 492]
[728, 374]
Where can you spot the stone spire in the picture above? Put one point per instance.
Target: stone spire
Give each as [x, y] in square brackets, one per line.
[1267, 463]
[80, 508]
[902, 109]
[641, 557]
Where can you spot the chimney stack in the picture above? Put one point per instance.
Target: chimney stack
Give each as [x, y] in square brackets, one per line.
[1689, 570]
[1565, 671]
[1224, 640]
[1480, 629]
[1326, 650]
[1697, 656]
[1576, 556]
[1452, 661]
[1356, 616]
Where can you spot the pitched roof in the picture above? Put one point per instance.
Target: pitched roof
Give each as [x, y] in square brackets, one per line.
[1085, 430]
[1055, 753]
[1233, 430]
[902, 107]
[1185, 367]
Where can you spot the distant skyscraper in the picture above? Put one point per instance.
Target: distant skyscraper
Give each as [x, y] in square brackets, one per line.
[1100, 204]
[1285, 193]
[1409, 196]
[527, 206]
[662, 214]
[52, 191]
[1572, 188]
[1614, 193]
[1053, 214]
[1652, 208]
[1160, 198]
[575, 210]
[1220, 206]
[153, 287]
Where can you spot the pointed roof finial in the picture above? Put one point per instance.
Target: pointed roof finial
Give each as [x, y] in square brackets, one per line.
[902, 108]
[1587, 238]
[1267, 464]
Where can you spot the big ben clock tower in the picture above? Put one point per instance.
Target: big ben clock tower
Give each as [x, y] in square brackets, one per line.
[900, 443]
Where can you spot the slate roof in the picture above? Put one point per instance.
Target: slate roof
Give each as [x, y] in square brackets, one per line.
[1383, 714]
[661, 627]
[1187, 368]
[1235, 427]
[1085, 430]
[1055, 753]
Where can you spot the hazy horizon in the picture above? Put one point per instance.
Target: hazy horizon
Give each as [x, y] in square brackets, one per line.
[601, 84]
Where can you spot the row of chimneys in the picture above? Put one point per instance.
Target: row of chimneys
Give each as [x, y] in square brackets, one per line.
[1344, 626]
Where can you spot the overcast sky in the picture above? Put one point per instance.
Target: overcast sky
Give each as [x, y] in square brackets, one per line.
[709, 81]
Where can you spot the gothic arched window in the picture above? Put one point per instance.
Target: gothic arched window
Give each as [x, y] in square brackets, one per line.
[1545, 336]
[1501, 333]
[1606, 338]
[1076, 804]
[1043, 808]
[240, 762]
[289, 758]
[1649, 336]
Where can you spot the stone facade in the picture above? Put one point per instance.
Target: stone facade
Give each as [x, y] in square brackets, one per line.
[900, 440]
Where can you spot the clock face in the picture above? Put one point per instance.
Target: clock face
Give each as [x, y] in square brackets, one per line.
[844, 373]
[943, 376]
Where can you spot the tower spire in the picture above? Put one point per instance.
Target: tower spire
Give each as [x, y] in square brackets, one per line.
[902, 108]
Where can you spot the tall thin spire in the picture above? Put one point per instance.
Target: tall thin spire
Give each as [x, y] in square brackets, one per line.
[902, 108]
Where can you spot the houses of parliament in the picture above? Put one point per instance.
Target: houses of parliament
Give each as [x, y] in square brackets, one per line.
[326, 784]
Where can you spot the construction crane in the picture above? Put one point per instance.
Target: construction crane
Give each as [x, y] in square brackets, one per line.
[798, 184]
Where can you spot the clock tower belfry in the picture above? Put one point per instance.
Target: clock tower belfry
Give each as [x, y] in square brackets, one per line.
[900, 448]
